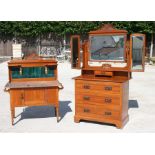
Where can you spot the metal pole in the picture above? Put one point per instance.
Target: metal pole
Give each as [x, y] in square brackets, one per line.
[151, 48]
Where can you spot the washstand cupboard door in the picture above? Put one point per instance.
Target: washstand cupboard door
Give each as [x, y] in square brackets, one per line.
[34, 96]
[17, 97]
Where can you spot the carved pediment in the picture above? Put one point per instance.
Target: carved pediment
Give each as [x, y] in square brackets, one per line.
[107, 28]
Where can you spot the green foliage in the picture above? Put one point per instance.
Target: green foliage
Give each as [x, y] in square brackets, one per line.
[38, 28]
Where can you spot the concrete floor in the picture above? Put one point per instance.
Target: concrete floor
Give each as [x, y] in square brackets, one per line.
[41, 119]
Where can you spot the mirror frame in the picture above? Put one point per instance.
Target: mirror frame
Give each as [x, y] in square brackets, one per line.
[79, 59]
[143, 54]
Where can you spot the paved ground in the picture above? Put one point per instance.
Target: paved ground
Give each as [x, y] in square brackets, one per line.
[41, 119]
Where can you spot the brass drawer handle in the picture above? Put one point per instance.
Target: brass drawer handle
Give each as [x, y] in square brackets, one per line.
[108, 113]
[86, 87]
[86, 110]
[86, 97]
[108, 100]
[108, 88]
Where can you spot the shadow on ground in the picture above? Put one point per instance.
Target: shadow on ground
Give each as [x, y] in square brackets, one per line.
[48, 111]
[44, 111]
[133, 104]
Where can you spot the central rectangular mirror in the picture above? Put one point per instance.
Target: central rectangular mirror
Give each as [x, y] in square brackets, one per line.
[107, 47]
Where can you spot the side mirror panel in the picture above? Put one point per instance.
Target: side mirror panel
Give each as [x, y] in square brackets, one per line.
[137, 49]
[75, 52]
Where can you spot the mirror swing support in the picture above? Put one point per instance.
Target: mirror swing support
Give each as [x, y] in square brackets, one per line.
[102, 89]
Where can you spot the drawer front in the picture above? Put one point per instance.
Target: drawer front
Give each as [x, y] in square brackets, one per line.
[96, 86]
[99, 111]
[101, 100]
[103, 106]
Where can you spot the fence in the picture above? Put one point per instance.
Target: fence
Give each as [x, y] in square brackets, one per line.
[43, 47]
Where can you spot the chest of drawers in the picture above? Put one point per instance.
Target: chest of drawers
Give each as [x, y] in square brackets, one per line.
[107, 61]
[101, 101]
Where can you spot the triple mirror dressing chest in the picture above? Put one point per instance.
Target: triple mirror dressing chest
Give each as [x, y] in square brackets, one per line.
[107, 61]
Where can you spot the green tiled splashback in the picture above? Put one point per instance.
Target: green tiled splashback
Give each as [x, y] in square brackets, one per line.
[32, 72]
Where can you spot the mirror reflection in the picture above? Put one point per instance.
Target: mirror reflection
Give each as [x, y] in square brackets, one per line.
[137, 52]
[75, 51]
[110, 47]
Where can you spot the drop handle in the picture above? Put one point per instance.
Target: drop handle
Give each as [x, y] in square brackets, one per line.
[86, 87]
[108, 113]
[108, 100]
[108, 88]
[86, 97]
[86, 110]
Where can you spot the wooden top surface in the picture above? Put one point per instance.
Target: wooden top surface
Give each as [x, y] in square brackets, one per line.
[32, 62]
[104, 79]
[32, 58]
[33, 84]
[14, 61]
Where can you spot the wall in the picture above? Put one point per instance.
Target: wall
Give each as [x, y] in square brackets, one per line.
[6, 48]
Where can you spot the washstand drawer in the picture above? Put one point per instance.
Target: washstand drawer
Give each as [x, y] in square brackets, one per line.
[97, 112]
[97, 86]
[105, 99]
